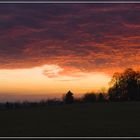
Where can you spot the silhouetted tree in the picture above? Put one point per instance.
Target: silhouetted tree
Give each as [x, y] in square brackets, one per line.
[68, 98]
[100, 97]
[125, 86]
[53, 102]
[89, 97]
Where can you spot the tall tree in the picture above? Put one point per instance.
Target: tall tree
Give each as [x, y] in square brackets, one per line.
[125, 86]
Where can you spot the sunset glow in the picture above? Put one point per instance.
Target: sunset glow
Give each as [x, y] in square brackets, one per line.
[48, 49]
[34, 81]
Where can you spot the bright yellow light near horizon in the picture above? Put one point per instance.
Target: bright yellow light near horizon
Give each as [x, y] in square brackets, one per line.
[33, 81]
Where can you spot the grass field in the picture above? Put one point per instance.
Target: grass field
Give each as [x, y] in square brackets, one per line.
[97, 119]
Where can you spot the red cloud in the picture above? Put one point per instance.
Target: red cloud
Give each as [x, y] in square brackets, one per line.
[76, 37]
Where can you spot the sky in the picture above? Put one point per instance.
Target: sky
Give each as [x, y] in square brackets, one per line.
[48, 49]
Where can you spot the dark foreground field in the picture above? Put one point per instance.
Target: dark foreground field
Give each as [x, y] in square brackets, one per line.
[97, 119]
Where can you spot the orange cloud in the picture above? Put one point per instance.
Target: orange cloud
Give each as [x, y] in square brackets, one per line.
[76, 37]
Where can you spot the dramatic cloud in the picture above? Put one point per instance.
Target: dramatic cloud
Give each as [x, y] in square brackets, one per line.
[75, 37]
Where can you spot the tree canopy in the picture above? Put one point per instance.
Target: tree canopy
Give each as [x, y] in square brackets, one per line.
[125, 86]
[68, 98]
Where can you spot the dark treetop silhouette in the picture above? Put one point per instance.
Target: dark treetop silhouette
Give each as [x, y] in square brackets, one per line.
[125, 86]
[68, 98]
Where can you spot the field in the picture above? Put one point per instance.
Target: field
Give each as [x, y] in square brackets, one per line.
[96, 119]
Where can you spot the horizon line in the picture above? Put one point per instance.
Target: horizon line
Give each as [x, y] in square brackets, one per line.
[70, 2]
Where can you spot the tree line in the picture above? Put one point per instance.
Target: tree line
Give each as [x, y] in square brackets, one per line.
[124, 86]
